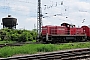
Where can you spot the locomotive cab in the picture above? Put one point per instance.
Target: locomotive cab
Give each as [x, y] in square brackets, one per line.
[68, 27]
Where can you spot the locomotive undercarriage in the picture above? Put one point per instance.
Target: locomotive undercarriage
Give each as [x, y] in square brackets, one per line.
[63, 38]
[88, 38]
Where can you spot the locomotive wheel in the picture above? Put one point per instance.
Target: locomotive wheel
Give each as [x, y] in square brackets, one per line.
[77, 39]
[53, 41]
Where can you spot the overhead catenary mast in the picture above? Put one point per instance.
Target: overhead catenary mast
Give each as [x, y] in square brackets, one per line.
[39, 19]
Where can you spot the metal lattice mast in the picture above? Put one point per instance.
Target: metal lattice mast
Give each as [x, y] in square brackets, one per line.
[39, 18]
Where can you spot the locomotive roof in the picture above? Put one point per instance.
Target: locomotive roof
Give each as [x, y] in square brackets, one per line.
[67, 24]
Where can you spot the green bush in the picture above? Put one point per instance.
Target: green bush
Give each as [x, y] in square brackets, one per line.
[17, 35]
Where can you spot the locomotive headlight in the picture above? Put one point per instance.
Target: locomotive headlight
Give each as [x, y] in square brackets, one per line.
[84, 30]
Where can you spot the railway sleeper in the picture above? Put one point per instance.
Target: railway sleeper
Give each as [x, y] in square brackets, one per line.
[76, 53]
[31, 58]
[13, 58]
[22, 58]
[83, 52]
[71, 54]
[43, 59]
[50, 58]
[49, 55]
[67, 55]
[63, 55]
[40, 56]
[4, 59]
[76, 57]
[27, 56]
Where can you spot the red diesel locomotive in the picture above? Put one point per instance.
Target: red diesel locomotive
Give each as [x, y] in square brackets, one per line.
[65, 33]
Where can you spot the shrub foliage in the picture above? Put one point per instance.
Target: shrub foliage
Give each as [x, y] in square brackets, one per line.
[17, 35]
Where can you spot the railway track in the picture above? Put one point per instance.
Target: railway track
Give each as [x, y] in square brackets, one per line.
[22, 43]
[74, 54]
[13, 44]
[17, 44]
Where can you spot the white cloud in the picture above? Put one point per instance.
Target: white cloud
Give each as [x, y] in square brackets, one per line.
[21, 9]
[76, 11]
[19, 6]
[34, 20]
[46, 22]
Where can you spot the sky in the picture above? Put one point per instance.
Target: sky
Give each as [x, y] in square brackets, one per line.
[54, 13]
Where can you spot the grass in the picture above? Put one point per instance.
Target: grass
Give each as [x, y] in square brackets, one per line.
[35, 48]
